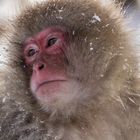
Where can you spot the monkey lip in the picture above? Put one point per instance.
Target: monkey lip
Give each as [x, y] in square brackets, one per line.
[48, 82]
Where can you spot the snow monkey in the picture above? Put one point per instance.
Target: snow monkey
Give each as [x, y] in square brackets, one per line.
[71, 74]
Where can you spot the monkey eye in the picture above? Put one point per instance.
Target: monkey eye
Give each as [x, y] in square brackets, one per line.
[31, 52]
[51, 42]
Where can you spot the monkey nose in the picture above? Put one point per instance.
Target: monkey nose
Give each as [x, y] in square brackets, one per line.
[38, 67]
[41, 66]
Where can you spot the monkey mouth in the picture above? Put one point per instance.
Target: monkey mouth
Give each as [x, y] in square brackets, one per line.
[48, 82]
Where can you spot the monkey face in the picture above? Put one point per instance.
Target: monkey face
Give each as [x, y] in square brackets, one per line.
[44, 54]
[70, 63]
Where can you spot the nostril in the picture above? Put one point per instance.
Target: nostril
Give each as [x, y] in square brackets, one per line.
[41, 66]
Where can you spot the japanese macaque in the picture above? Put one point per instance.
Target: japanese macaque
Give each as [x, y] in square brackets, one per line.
[71, 74]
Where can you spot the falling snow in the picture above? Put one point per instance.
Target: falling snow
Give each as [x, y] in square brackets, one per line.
[4, 99]
[59, 17]
[95, 18]
[91, 49]
[83, 14]
[60, 11]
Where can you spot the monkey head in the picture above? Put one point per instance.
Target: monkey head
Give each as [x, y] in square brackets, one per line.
[73, 54]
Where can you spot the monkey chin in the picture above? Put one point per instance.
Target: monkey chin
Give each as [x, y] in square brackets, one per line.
[49, 89]
[59, 99]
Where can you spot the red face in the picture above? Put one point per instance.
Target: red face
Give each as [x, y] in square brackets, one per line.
[44, 54]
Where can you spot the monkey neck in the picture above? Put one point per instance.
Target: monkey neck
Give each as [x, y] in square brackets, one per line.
[83, 124]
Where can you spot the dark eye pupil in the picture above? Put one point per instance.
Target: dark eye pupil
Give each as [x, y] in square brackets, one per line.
[52, 41]
[31, 52]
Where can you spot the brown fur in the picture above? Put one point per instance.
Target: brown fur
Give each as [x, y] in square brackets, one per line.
[105, 103]
[2, 29]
